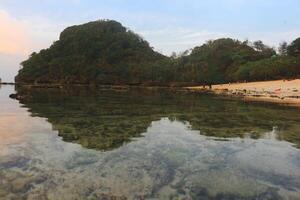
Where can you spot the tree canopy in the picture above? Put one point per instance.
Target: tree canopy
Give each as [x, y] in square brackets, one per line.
[294, 48]
[102, 52]
[105, 52]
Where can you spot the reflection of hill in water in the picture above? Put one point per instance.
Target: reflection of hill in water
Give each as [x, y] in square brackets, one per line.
[169, 162]
[106, 119]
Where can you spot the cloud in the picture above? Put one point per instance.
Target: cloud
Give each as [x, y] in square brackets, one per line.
[9, 66]
[274, 38]
[178, 39]
[13, 36]
[42, 32]
[20, 37]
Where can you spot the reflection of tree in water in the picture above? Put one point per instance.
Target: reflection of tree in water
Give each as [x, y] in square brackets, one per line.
[185, 166]
[106, 119]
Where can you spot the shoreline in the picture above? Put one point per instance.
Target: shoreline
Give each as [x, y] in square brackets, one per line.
[6, 83]
[285, 92]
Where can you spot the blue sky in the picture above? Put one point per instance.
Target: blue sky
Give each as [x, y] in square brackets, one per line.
[169, 25]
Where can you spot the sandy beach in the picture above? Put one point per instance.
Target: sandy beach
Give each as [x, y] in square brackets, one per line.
[280, 91]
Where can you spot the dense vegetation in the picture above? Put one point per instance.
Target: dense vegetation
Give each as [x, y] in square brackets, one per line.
[97, 52]
[280, 67]
[105, 52]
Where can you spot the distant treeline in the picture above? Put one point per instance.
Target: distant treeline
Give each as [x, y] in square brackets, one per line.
[105, 52]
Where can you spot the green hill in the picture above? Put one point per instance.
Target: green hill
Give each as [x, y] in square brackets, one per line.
[105, 52]
[216, 61]
[100, 52]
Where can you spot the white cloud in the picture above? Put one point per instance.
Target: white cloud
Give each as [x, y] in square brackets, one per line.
[13, 36]
[42, 32]
[174, 39]
[274, 38]
[9, 66]
[19, 37]
[170, 39]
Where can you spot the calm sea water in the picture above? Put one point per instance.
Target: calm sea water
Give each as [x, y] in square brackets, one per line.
[154, 144]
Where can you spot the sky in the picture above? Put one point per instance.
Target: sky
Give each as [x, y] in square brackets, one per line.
[169, 25]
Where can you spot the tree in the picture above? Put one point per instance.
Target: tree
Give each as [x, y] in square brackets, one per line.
[266, 51]
[174, 55]
[283, 48]
[259, 45]
[102, 52]
[294, 48]
[105, 52]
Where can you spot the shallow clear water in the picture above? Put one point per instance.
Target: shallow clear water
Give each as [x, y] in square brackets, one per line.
[102, 144]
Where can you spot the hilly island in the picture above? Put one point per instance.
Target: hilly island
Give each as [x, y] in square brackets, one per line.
[106, 53]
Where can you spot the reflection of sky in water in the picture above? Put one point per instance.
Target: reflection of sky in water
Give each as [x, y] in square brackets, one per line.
[169, 161]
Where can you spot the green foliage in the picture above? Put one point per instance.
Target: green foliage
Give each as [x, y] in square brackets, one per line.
[101, 52]
[294, 48]
[105, 52]
[216, 61]
[280, 67]
[283, 48]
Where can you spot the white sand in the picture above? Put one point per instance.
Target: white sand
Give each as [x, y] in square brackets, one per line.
[280, 91]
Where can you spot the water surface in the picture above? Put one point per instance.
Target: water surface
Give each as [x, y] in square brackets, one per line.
[145, 144]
